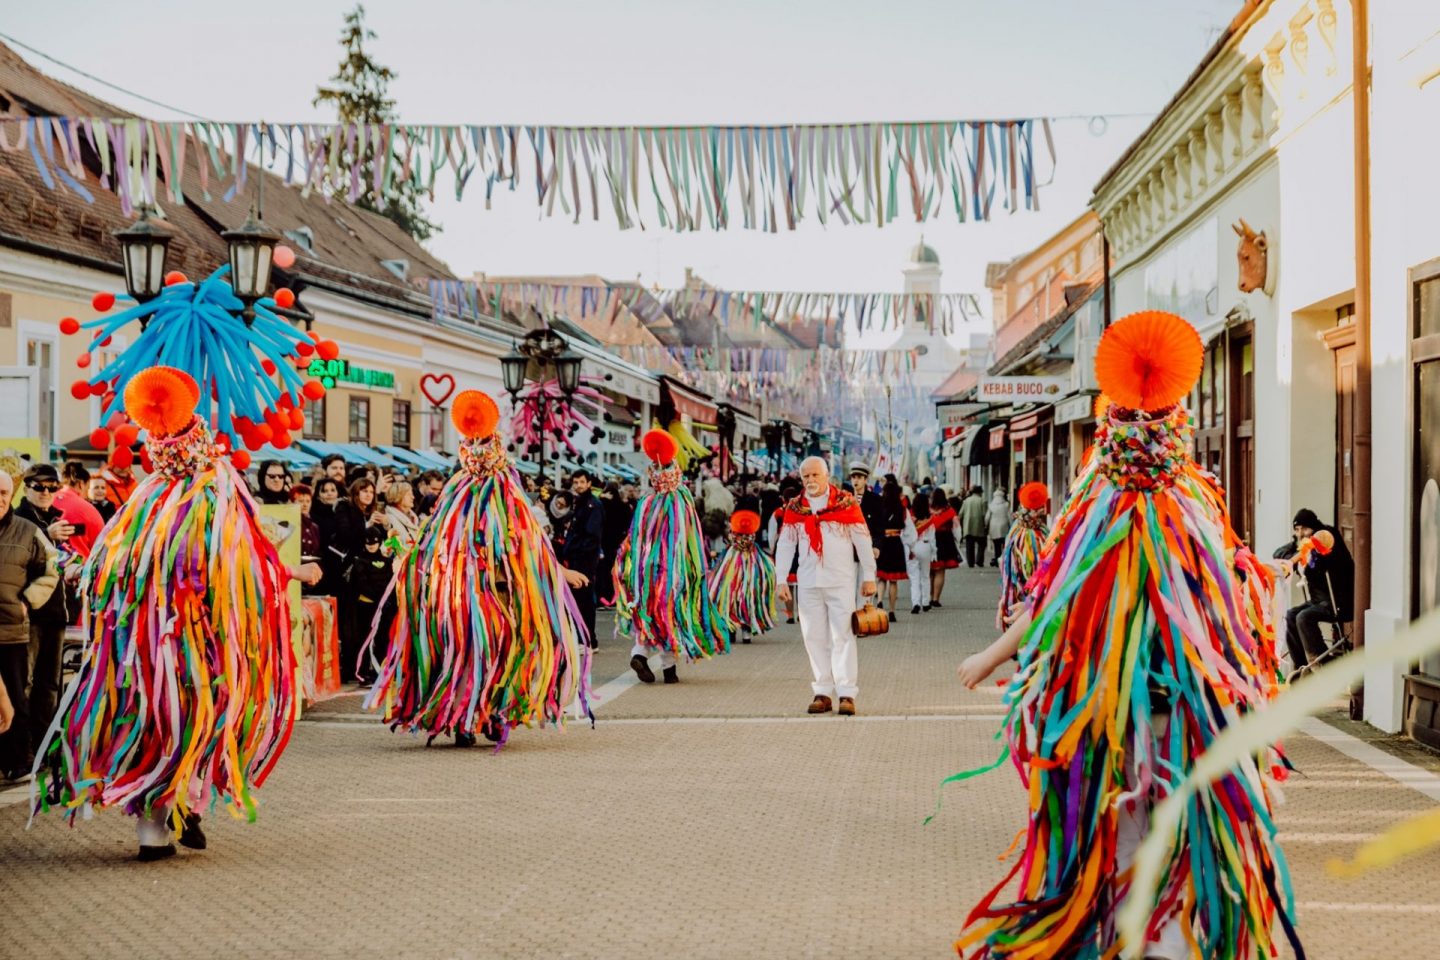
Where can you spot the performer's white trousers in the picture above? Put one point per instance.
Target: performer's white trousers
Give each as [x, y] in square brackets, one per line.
[825, 625]
[918, 570]
[154, 830]
[667, 659]
[1130, 831]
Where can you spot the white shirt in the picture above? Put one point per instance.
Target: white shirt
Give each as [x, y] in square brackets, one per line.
[841, 543]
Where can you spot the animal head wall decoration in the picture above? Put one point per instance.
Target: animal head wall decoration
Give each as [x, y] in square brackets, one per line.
[1252, 257]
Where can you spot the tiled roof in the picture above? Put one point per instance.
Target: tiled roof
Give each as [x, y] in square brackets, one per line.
[958, 382]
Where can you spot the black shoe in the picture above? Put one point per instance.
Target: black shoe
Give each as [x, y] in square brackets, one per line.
[464, 739]
[927, 607]
[936, 604]
[192, 836]
[151, 854]
[491, 731]
[641, 666]
[671, 676]
[789, 619]
[915, 610]
[892, 616]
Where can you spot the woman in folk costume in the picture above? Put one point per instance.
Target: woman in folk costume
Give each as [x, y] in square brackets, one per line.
[1136, 650]
[488, 636]
[890, 565]
[920, 553]
[186, 694]
[947, 548]
[661, 602]
[742, 584]
[1022, 550]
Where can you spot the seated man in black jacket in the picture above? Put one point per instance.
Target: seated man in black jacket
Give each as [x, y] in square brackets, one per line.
[579, 552]
[1330, 583]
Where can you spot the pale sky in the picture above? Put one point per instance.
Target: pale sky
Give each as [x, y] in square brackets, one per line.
[670, 61]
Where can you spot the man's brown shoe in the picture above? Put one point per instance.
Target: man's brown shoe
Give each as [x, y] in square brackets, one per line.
[820, 704]
[847, 706]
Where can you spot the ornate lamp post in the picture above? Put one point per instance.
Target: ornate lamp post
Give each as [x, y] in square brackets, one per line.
[542, 347]
[144, 246]
[251, 247]
[725, 427]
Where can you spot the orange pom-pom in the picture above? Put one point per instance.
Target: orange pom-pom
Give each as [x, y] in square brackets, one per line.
[1324, 542]
[174, 277]
[284, 298]
[744, 522]
[69, 325]
[241, 459]
[102, 301]
[280, 440]
[297, 418]
[262, 433]
[100, 438]
[475, 414]
[80, 389]
[1149, 360]
[1034, 496]
[162, 400]
[313, 389]
[327, 349]
[126, 434]
[660, 447]
[101, 389]
[1102, 405]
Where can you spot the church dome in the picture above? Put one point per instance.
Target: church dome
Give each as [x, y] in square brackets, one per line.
[921, 253]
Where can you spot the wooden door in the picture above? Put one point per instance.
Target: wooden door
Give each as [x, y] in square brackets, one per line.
[1341, 341]
[1240, 429]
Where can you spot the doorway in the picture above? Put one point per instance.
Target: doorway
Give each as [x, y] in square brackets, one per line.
[1341, 341]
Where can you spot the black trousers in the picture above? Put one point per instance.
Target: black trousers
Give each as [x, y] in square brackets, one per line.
[1303, 634]
[585, 600]
[354, 629]
[974, 551]
[46, 642]
[998, 545]
[15, 742]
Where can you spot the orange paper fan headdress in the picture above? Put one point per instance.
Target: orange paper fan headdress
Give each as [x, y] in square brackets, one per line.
[162, 400]
[660, 447]
[745, 522]
[475, 414]
[1149, 361]
[1034, 496]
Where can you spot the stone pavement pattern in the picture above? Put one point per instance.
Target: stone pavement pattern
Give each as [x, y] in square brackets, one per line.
[711, 819]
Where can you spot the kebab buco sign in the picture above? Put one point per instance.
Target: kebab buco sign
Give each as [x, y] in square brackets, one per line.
[1021, 389]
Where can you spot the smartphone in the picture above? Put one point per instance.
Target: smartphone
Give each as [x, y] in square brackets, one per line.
[79, 529]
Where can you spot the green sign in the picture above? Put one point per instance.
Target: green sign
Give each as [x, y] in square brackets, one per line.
[331, 372]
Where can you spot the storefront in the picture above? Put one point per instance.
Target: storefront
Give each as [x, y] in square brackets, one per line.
[1422, 682]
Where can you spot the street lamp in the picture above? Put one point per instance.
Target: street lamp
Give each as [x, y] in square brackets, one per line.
[567, 372]
[143, 248]
[543, 346]
[512, 371]
[251, 247]
[725, 427]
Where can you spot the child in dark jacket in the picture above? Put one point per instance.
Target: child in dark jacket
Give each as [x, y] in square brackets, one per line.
[369, 577]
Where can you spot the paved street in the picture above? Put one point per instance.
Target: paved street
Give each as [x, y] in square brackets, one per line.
[712, 819]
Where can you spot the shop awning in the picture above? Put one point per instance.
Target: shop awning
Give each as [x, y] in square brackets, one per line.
[689, 402]
[408, 457]
[290, 456]
[1027, 424]
[973, 449]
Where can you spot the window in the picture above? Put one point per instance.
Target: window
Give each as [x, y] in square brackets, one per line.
[314, 420]
[359, 419]
[40, 354]
[400, 424]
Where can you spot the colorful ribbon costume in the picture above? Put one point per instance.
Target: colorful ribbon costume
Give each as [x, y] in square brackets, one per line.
[742, 584]
[186, 693]
[488, 636]
[661, 601]
[1141, 650]
[1022, 550]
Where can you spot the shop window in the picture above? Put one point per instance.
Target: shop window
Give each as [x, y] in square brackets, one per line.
[400, 424]
[314, 428]
[40, 354]
[359, 419]
[1425, 351]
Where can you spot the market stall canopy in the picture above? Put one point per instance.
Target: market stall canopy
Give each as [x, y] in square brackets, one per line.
[688, 401]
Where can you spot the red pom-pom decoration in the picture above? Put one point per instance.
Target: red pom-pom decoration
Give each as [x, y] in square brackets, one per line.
[241, 459]
[1149, 361]
[162, 400]
[262, 432]
[1034, 496]
[251, 440]
[122, 457]
[280, 440]
[327, 349]
[100, 438]
[106, 341]
[744, 522]
[174, 277]
[284, 298]
[126, 434]
[304, 349]
[313, 389]
[268, 366]
[69, 325]
[102, 301]
[101, 389]
[474, 414]
[297, 419]
[80, 389]
[82, 361]
[145, 459]
[660, 447]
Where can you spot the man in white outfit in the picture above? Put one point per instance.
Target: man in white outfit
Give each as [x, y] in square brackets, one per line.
[828, 530]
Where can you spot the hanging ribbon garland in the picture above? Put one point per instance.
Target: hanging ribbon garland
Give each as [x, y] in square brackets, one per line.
[755, 177]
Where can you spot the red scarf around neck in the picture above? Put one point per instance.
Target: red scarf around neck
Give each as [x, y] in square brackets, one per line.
[839, 508]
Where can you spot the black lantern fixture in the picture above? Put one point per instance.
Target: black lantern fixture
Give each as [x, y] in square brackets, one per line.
[251, 246]
[567, 372]
[143, 248]
[512, 371]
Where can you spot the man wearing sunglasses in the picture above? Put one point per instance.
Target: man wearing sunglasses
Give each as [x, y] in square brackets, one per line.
[47, 622]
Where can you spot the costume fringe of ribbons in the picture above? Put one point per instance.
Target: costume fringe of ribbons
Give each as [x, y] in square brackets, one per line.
[186, 691]
[661, 599]
[1136, 596]
[487, 634]
[742, 587]
[1018, 559]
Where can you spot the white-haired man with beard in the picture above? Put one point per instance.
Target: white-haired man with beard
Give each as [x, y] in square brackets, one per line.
[825, 526]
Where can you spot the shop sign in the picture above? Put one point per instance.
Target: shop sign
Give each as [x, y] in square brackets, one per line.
[1074, 408]
[1020, 389]
[997, 438]
[619, 438]
[958, 414]
[332, 372]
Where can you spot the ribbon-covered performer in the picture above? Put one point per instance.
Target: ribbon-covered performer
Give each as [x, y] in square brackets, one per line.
[662, 605]
[742, 583]
[1022, 550]
[488, 636]
[1137, 649]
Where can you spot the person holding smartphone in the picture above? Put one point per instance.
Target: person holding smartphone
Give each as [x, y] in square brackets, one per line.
[75, 509]
[47, 622]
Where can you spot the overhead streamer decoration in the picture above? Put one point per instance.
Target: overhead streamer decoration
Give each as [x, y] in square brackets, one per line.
[820, 313]
[696, 177]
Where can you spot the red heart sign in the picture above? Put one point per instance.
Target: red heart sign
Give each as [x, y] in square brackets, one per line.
[429, 380]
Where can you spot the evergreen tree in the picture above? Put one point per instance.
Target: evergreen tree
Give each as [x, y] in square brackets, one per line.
[359, 91]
